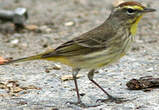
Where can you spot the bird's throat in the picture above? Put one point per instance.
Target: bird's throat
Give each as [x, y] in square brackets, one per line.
[134, 25]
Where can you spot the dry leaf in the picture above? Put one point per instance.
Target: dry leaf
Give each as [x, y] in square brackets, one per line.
[69, 77]
[31, 27]
[3, 86]
[2, 60]
[16, 89]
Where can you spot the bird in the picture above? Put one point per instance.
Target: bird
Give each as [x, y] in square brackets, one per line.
[101, 46]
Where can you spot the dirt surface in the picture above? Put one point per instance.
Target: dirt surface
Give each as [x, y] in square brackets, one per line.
[37, 85]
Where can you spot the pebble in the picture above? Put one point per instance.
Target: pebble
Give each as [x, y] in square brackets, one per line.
[57, 67]
[70, 23]
[45, 28]
[150, 69]
[15, 41]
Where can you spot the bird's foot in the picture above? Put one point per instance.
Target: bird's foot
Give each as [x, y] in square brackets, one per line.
[81, 104]
[113, 99]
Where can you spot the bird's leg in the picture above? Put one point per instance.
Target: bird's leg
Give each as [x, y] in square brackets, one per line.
[74, 74]
[79, 102]
[110, 97]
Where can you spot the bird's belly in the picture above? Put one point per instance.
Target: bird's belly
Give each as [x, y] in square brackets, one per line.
[97, 60]
[102, 58]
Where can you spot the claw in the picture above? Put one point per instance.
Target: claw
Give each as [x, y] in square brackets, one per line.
[113, 99]
[81, 104]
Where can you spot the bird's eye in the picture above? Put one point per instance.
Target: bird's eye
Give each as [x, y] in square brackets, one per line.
[130, 11]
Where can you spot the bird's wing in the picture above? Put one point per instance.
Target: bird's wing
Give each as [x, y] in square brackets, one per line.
[91, 41]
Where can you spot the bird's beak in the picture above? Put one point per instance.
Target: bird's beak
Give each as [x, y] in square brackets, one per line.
[147, 10]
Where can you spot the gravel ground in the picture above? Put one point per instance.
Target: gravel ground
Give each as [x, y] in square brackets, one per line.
[37, 85]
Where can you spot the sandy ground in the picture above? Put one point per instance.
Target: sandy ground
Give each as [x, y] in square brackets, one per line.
[37, 85]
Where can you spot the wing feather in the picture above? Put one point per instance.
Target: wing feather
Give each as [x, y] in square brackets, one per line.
[92, 41]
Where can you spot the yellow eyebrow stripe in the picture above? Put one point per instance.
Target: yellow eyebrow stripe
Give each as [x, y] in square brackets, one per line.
[134, 7]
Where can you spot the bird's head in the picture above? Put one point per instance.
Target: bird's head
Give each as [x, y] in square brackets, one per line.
[130, 13]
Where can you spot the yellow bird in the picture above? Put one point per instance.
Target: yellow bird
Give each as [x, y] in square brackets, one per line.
[98, 47]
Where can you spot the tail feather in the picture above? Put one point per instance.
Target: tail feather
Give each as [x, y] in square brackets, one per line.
[36, 57]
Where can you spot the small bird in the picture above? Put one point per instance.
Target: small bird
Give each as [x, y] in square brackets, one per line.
[99, 47]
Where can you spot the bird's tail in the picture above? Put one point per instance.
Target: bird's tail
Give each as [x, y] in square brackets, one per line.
[49, 55]
[36, 57]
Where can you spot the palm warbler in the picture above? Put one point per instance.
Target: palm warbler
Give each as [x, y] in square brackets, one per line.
[100, 46]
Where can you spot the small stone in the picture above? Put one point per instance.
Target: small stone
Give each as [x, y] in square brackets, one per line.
[150, 69]
[70, 23]
[15, 41]
[45, 28]
[57, 67]
[48, 30]
[47, 70]
[24, 45]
